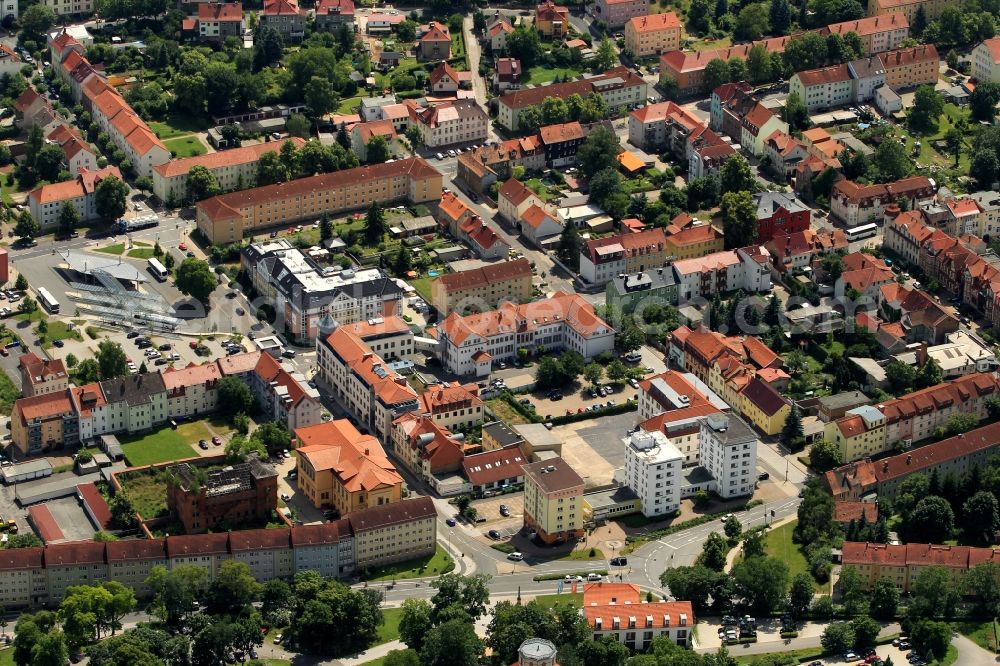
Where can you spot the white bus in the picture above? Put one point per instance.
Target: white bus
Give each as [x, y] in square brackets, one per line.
[157, 269]
[49, 303]
[861, 232]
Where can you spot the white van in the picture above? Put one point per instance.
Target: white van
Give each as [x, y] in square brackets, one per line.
[593, 577]
[515, 556]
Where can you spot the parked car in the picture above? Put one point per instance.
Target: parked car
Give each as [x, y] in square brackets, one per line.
[504, 511]
[515, 556]
[203, 445]
[494, 534]
[450, 522]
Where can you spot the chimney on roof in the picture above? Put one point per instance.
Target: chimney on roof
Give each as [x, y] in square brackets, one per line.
[909, 458]
[885, 466]
[367, 451]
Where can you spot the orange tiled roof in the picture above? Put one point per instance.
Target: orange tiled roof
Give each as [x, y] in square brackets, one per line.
[221, 159]
[358, 461]
[655, 22]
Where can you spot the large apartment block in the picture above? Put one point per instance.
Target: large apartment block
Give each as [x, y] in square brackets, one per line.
[601, 260]
[482, 288]
[45, 201]
[553, 500]
[371, 537]
[653, 472]
[142, 402]
[227, 217]
[469, 345]
[234, 169]
[305, 294]
[617, 13]
[903, 563]
[729, 453]
[856, 204]
[647, 36]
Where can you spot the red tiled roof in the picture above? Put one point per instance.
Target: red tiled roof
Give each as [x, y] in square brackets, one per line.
[525, 97]
[518, 269]
[223, 11]
[191, 545]
[870, 25]
[845, 512]
[46, 526]
[655, 22]
[74, 553]
[493, 466]
[551, 134]
[764, 397]
[281, 8]
[515, 191]
[132, 550]
[917, 555]
[407, 511]
[650, 240]
[221, 159]
[824, 75]
[95, 502]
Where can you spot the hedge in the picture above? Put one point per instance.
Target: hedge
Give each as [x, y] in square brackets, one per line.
[561, 576]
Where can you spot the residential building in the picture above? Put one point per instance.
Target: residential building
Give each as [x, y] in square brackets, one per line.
[227, 217]
[654, 35]
[553, 500]
[825, 88]
[903, 563]
[364, 383]
[563, 321]
[9, 10]
[44, 422]
[867, 76]
[480, 168]
[389, 337]
[112, 114]
[497, 31]
[340, 468]
[286, 17]
[619, 87]
[699, 350]
[986, 60]
[39, 377]
[955, 457]
[686, 69]
[706, 152]
[616, 609]
[236, 493]
[960, 354]
[234, 169]
[626, 291]
[856, 204]
[45, 201]
[865, 274]
[434, 43]
[481, 289]
[216, 21]
[304, 294]
[653, 472]
[602, 259]
[539, 226]
[551, 20]
[618, 13]
[796, 251]
[656, 127]
[560, 143]
[460, 121]
[507, 74]
[453, 406]
[911, 67]
[764, 407]
[908, 8]
[394, 532]
[514, 198]
[363, 133]
[688, 238]
[495, 469]
[729, 453]
[674, 403]
[10, 62]
[780, 214]
[922, 318]
[70, 7]
[784, 153]
[429, 450]
[77, 153]
[745, 268]
[878, 32]
[331, 15]
[756, 126]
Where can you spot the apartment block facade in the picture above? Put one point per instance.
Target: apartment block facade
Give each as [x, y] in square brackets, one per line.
[482, 288]
[647, 36]
[553, 500]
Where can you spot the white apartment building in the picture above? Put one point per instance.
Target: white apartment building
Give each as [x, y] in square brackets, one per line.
[988, 224]
[66, 7]
[746, 268]
[234, 169]
[674, 403]
[825, 88]
[653, 472]
[46, 201]
[461, 121]
[729, 453]
[986, 60]
[469, 345]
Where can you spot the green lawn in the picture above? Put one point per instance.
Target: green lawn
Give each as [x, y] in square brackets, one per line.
[9, 392]
[148, 493]
[389, 630]
[186, 146]
[457, 45]
[141, 253]
[115, 249]
[7, 655]
[705, 45]
[177, 125]
[780, 545]
[540, 188]
[584, 555]
[162, 445]
[58, 330]
[980, 633]
[553, 600]
[541, 74]
[349, 105]
[439, 563]
[423, 287]
[505, 412]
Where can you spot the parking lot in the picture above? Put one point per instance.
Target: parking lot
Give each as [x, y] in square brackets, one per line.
[594, 447]
[577, 398]
[490, 509]
[70, 518]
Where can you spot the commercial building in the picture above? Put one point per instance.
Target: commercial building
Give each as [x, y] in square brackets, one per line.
[647, 36]
[955, 457]
[620, 88]
[745, 268]
[653, 472]
[227, 217]
[340, 468]
[45, 201]
[246, 491]
[363, 382]
[729, 453]
[39, 377]
[903, 563]
[617, 609]
[234, 169]
[602, 259]
[469, 345]
[483, 288]
[553, 500]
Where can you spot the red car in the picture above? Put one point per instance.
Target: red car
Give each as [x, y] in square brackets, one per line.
[182, 246]
[193, 344]
[216, 440]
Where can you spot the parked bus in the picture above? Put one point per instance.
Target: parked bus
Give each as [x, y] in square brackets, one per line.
[861, 232]
[125, 225]
[49, 303]
[157, 269]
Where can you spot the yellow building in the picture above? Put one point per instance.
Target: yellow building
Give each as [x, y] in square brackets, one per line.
[911, 67]
[764, 407]
[482, 289]
[551, 20]
[727, 378]
[340, 468]
[652, 35]
[227, 217]
[859, 434]
[908, 8]
[44, 422]
[394, 533]
[553, 500]
[695, 241]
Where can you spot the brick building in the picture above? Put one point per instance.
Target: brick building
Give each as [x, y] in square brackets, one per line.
[238, 493]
